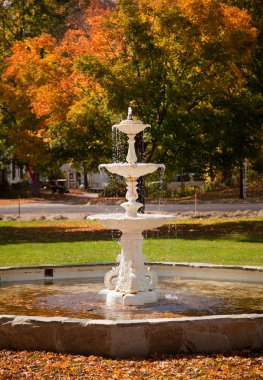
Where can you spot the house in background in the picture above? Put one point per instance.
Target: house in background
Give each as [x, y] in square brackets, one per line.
[180, 181]
[75, 178]
[97, 181]
[72, 176]
[15, 173]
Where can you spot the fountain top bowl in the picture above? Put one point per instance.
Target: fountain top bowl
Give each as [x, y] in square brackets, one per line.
[131, 127]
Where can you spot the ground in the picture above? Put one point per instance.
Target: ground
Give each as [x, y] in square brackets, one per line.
[40, 365]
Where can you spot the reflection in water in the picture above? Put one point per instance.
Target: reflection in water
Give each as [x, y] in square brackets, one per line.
[178, 298]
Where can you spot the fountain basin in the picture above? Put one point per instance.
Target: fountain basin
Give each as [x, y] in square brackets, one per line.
[129, 339]
[131, 225]
[141, 337]
[131, 170]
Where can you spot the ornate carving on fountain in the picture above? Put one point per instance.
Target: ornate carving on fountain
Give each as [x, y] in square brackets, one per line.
[132, 272]
[111, 277]
[131, 206]
[131, 282]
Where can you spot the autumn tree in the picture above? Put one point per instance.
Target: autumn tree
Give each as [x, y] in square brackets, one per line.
[254, 75]
[171, 60]
[69, 111]
[20, 20]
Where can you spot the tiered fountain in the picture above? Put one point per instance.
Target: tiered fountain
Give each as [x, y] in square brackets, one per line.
[131, 282]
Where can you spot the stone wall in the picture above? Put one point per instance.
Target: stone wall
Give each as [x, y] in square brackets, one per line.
[163, 269]
[139, 338]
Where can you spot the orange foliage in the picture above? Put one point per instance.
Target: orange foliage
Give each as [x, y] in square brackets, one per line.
[46, 73]
[217, 20]
[106, 35]
[43, 72]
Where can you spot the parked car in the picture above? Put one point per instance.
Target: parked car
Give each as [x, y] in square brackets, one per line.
[58, 186]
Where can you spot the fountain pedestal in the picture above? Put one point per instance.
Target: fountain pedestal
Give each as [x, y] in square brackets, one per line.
[131, 282]
[111, 298]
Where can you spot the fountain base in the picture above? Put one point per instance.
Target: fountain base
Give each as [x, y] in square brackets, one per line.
[130, 283]
[111, 297]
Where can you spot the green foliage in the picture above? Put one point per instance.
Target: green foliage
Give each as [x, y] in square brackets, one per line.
[6, 118]
[56, 173]
[115, 188]
[85, 138]
[173, 65]
[252, 108]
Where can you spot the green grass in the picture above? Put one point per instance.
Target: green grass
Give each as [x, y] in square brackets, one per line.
[218, 241]
[58, 253]
[227, 252]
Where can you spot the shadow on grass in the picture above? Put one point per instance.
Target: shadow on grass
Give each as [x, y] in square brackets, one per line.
[247, 231]
[12, 235]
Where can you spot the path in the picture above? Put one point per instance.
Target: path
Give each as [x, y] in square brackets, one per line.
[68, 208]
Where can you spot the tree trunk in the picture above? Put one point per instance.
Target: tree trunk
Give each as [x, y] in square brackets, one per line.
[227, 175]
[3, 179]
[139, 148]
[141, 194]
[242, 181]
[85, 178]
[35, 185]
[182, 180]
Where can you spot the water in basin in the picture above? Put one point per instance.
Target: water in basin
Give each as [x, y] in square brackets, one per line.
[180, 297]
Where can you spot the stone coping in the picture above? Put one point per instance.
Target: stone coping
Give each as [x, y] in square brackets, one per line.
[194, 271]
[128, 322]
[133, 338]
[161, 263]
[43, 266]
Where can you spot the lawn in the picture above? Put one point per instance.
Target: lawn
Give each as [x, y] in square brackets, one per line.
[219, 241]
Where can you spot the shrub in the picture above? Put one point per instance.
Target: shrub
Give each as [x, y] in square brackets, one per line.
[115, 188]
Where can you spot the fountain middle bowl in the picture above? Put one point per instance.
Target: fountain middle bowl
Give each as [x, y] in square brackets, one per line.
[131, 170]
[131, 225]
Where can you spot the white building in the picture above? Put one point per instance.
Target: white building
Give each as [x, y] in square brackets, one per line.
[15, 173]
[75, 179]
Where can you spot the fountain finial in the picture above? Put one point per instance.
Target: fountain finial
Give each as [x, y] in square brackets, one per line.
[129, 117]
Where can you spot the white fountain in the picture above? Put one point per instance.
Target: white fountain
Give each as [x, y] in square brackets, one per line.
[131, 282]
